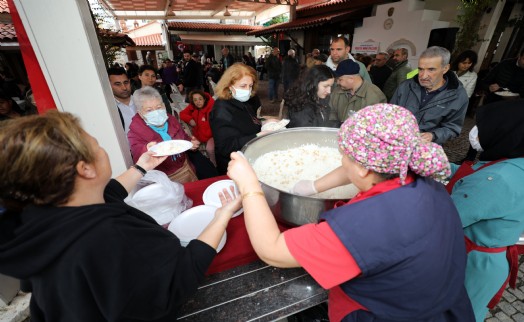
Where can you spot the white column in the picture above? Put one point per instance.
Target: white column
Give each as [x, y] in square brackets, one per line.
[491, 22]
[63, 37]
[166, 35]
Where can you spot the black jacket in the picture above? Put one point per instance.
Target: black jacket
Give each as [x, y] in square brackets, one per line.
[290, 69]
[192, 74]
[312, 115]
[506, 74]
[227, 61]
[233, 124]
[102, 262]
[379, 75]
[273, 67]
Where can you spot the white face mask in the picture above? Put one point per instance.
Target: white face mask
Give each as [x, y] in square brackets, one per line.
[474, 139]
[156, 117]
[242, 95]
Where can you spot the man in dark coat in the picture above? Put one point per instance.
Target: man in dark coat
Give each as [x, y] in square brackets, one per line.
[290, 69]
[436, 97]
[380, 71]
[227, 60]
[274, 68]
[507, 75]
[192, 77]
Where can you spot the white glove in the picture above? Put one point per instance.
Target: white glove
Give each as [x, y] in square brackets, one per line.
[304, 188]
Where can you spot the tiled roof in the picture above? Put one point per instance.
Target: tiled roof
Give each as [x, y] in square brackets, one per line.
[201, 26]
[323, 5]
[7, 33]
[334, 6]
[4, 8]
[149, 40]
[301, 23]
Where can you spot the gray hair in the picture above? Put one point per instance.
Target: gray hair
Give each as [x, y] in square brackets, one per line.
[146, 93]
[386, 55]
[436, 51]
[291, 52]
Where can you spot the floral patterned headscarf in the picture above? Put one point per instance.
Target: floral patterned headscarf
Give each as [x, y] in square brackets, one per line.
[385, 138]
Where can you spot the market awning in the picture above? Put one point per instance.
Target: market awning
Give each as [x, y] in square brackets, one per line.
[323, 13]
[308, 22]
[212, 27]
[220, 39]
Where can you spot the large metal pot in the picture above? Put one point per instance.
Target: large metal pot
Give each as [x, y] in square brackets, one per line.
[287, 207]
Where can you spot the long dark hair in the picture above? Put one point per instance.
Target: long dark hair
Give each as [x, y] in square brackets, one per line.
[467, 54]
[304, 91]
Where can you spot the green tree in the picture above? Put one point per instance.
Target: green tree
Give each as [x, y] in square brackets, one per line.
[469, 23]
[272, 40]
[278, 19]
[110, 50]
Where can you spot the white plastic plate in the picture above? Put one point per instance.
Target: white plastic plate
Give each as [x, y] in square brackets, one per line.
[210, 196]
[189, 224]
[171, 147]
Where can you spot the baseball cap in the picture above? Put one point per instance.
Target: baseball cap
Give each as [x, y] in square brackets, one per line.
[347, 67]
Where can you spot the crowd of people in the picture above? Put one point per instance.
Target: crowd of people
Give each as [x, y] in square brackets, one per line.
[403, 249]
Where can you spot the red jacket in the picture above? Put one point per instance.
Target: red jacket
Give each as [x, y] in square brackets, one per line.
[202, 129]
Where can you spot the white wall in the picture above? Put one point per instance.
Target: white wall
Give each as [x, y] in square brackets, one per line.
[448, 9]
[72, 34]
[488, 24]
[270, 13]
[146, 30]
[412, 24]
[517, 11]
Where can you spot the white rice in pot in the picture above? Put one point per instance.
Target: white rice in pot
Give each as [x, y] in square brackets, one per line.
[283, 168]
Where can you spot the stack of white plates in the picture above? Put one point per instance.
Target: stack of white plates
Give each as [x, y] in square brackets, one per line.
[211, 198]
[190, 224]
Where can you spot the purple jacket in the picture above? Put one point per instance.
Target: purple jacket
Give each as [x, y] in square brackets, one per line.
[140, 134]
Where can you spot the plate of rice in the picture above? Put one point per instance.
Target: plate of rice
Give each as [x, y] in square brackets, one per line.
[171, 147]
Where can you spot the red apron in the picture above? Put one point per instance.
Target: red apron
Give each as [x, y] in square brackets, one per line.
[511, 251]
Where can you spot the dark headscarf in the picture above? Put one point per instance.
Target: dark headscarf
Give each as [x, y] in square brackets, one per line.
[501, 130]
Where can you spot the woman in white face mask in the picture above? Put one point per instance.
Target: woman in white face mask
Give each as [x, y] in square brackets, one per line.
[153, 124]
[234, 119]
[488, 196]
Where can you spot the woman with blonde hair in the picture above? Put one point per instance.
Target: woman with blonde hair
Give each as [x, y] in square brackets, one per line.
[234, 119]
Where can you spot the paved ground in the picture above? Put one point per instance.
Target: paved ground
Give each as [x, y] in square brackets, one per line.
[511, 307]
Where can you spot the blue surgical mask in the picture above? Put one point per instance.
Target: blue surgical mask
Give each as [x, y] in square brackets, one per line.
[156, 117]
[242, 95]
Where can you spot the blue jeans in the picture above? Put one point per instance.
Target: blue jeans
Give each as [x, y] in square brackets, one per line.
[273, 89]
